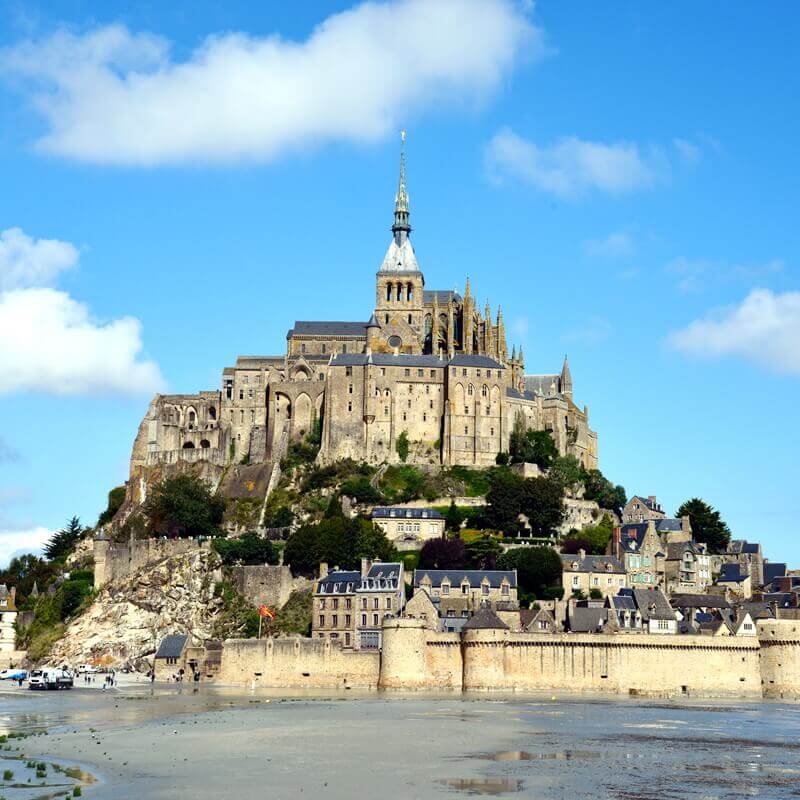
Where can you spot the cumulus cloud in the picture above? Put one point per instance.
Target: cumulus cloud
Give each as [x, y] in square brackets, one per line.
[615, 245]
[25, 261]
[764, 328]
[572, 166]
[116, 96]
[15, 543]
[57, 348]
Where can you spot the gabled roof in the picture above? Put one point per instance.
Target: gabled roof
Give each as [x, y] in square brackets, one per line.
[172, 646]
[653, 604]
[675, 550]
[485, 620]
[591, 563]
[542, 384]
[773, 570]
[529, 618]
[699, 601]
[587, 620]
[474, 576]
[327, 328]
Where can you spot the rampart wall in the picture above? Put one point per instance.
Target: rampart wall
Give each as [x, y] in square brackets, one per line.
[297, 663]
[780, 657]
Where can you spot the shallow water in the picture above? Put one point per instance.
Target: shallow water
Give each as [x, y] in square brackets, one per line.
[173, 742]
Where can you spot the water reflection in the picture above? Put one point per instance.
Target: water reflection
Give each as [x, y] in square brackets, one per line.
[484, 786]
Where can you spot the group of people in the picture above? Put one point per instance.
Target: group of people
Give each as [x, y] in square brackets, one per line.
[109, 679]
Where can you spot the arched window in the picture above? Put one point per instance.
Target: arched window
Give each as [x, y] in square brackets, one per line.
[399, 291]
[410, 293]
[205, 444]
[471, 390]
[484, 390]
[188, 446]
[212, 412]
[388, 291]
[409, 319]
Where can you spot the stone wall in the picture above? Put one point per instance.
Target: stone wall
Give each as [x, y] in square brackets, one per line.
[114, 561]
[294, 662]
[266, 585]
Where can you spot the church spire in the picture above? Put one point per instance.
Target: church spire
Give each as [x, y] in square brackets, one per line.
[566, 379]
[402, 226]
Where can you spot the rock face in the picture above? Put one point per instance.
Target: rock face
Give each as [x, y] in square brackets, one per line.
[125, 624]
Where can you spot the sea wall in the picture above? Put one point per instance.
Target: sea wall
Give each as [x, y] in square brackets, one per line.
[293, 663]
[627, 664]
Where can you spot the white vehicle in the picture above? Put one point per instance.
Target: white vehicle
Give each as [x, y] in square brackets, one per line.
[87, 669]
[50, 678]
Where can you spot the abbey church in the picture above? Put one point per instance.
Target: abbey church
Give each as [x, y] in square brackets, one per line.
[427, 362]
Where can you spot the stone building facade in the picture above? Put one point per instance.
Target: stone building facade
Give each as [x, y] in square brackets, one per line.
[428, 363]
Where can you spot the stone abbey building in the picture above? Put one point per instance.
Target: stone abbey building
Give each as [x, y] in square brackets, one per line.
[427, 362]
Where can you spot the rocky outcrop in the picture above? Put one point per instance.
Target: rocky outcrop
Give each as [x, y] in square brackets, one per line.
[126, 622]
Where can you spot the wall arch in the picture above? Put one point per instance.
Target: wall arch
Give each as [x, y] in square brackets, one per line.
[303, 415]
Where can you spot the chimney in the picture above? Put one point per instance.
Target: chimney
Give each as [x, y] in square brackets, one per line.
[323, 570]
[616, 541]
[365, 565]
[581, 554]
[652, 500]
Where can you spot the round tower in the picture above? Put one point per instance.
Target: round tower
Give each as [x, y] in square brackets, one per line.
[403, 664]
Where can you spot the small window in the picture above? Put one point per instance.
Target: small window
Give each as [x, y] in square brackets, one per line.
[408, 373]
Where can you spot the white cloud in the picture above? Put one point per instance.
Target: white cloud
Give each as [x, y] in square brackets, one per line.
[615, 245]
[688, 151]
[15, 543]
[572, 167]
[764, 328]
[25, 261]
[57, 348]
[695, 274]
[116, 96]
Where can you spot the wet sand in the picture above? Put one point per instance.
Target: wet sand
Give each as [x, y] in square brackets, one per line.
[170, 742]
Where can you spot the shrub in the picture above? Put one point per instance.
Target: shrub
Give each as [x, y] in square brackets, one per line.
[401, 445]
[538, 568]
[115, 499]
[443, 554]
[183, 505]
[595, 594]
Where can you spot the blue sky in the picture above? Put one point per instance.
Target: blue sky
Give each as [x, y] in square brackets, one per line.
[181, 183]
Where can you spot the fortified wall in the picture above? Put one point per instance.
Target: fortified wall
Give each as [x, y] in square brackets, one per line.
[416, 658]
[268, 585]
[116, 560]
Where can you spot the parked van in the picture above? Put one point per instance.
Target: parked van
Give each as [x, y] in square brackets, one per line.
[50, 678]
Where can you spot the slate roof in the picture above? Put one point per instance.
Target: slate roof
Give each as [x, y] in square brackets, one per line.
[401, 512]
[172, 646]
[386, 360]
[675, 550]
[474, 576]
[443, 296]
[511, 392]
[541, 384]
[653, 604]
[730, 573]
[699, 601]
[485, 620]
[463, 360]
[339, 582]
[622, 602]
[383, 575]
[587, 620]
[591, 563]
[327, 328]
[758, 610]
[772, 571]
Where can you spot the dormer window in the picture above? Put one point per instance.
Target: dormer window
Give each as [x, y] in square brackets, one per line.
[465, 587]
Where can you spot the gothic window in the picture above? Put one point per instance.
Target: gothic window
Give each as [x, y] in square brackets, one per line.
[484, 390]
[212, 412]
[399, 291]
[410, 293]
[192, 417]
[471, 390]
[388, 295]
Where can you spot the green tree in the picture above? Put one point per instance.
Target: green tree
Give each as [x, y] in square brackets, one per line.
[401, 445]
[530, 446]
[371, 542]
[593, 539]
[603, 492]
[708, 526]
[26, 570]
[63, 541]
[183, 505]
[538, 568]
[482, 553]
[279, 517]
[301, 552]
[504, 500]
[453, 518]
[443, 554]
[543, 505]
[250, 548]
[567, 471]
[501, 459]
[116, 497]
